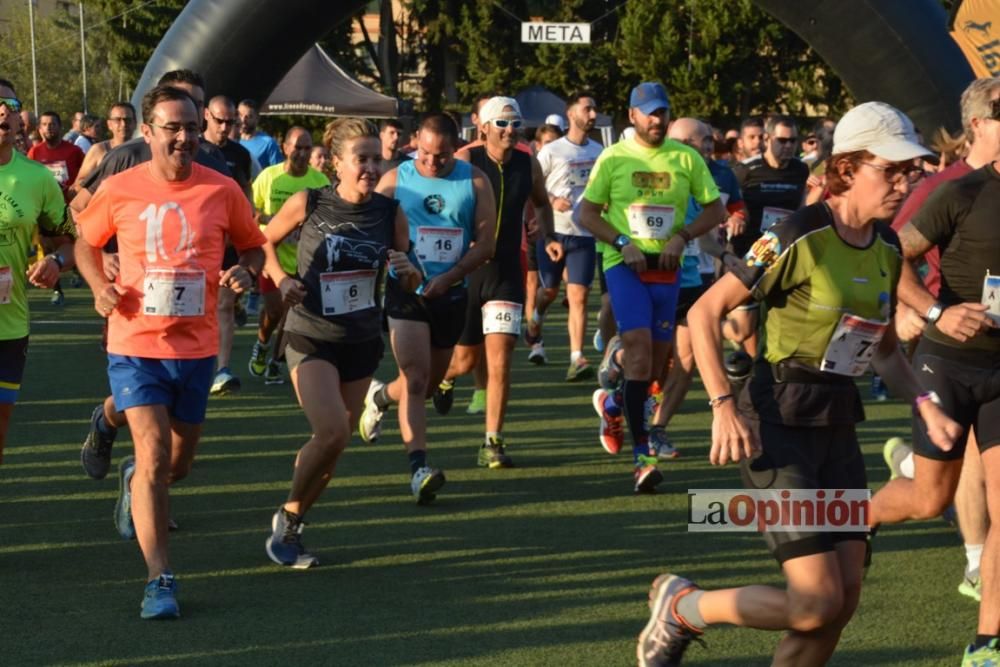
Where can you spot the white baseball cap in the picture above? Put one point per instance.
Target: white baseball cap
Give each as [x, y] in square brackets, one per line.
[879, 128]
[493, 108]
[557, 120]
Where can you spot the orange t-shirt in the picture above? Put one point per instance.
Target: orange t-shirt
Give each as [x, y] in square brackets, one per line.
[171, 240]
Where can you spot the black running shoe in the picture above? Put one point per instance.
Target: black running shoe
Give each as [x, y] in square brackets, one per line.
[96, 452]
[444, 396]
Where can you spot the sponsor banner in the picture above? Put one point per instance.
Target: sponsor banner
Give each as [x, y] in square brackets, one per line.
[778, 510]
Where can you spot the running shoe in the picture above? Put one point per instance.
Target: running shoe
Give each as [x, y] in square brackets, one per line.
[477, 405]
[370, 424]
[123, 506]
[224, 383]
[598, 341]
[425, 483]
[258, 359]
[612, 429]
[972, 585]
[273, 374]
[284, 546]
[665, 638]
[95, 455]
[894, 452]
[444, 396]
[492, 455]
[660, 443]
[647, 477]
[610, 372]
[159, 600]
[537, 354]
[984, 656]
[579, 370]
[58, 298]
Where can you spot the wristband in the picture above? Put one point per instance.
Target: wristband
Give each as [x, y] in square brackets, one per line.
[924, 397]
[719, 400]
[57, 258]
[685, 234]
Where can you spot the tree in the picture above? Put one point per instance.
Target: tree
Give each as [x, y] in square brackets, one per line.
[134, 36]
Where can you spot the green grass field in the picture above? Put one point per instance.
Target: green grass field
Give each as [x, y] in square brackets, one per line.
[545, 564]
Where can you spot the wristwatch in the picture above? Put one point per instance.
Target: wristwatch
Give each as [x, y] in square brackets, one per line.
[934, 313]
[57, 258]
[620, 242]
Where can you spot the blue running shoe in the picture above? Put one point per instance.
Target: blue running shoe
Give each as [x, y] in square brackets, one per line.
[160, 598]
[284, 546]
[123, 507]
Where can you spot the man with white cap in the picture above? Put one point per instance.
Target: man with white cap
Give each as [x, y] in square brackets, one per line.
[828, 275]
[646, 184]
[958, 356]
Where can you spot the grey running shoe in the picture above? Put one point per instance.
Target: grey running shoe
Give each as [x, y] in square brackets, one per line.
[665, 638]
[96, 452]
[425, 483]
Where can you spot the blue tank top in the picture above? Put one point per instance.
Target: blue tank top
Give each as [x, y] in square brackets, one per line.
[441, 212]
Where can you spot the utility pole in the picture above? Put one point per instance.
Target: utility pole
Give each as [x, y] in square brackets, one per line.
[83, 60]
[34, 66]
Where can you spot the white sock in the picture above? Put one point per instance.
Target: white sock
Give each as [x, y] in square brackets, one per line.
[574, 356]
[973, 553]
[906, 466]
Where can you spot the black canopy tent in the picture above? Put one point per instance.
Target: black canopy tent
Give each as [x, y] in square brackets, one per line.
[316, 86]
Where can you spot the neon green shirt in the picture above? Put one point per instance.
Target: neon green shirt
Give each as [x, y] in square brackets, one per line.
[646, 191]
[271, 189]
[30, 197]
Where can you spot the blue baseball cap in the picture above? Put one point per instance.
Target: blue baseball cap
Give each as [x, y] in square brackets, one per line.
[649, 96]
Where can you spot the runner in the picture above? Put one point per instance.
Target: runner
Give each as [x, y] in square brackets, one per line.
[496, 289]
[645, 183]
[333, 331]
[448, 203]
[270, 191]
[566, 164]
[170, 217]
[827, 275]
[34, 201]
[958, 359]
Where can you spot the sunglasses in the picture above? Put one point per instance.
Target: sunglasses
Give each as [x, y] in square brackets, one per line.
[502, 123]
[224, 121]
[786, 140]
[11, 103]
[897, 173]
[121, 119]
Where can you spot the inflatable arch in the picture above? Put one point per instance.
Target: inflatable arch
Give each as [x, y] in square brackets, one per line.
[897, 51]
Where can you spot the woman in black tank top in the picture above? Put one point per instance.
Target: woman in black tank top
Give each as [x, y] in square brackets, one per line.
[350, 234]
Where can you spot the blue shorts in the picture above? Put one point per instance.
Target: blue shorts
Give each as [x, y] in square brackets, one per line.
[578, 259]
[639, 305]
[180, 384]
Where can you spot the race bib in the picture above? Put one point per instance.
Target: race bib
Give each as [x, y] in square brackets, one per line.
[440, 244]
[502, 317]
[852, 345]
[6, 284]
[991, 296]
[771, 216]
[174, 293]
[579, 173]
[347, 291]
[60, 171]
[650, 221]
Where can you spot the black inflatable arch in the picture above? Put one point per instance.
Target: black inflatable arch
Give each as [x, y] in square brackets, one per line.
[897, 51]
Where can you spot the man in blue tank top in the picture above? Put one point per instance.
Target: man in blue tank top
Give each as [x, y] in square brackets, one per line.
[452, 216]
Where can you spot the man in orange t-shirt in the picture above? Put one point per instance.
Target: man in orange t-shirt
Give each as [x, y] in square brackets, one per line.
[171, 217]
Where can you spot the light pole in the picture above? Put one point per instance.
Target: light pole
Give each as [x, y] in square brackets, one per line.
[83, 60]
[34, 67]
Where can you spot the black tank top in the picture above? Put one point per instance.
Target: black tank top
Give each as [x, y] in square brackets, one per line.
[511, 188]
[341, 257]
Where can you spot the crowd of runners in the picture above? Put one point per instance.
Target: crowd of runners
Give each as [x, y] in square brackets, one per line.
[781, 264]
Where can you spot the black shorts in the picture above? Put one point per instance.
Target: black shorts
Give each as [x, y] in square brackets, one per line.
[968, 384]
[686, 299]
[493, 281]
[445, 315]
[805, 457]
[13, 354]
[230, 258]
[600, 274]
[354, 361]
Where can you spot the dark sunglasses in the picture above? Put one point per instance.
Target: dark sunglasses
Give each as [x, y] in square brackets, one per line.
[11, 103]
[786, 140]
[224, 121]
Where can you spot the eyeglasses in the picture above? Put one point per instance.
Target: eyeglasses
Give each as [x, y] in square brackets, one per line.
[173, 129]
[502, 123]
[224, 121]
[11, 103]
[896, 174]
[786, 140]
[121, 119]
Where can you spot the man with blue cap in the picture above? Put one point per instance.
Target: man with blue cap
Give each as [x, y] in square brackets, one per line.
[645, 183]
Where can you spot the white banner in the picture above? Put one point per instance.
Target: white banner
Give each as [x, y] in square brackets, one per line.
[555, 33]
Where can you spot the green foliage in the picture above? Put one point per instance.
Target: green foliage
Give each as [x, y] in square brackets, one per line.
[134, 36]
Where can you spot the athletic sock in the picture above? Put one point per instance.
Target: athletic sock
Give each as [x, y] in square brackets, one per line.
[418, 459]
[492, 437]
[613, 403]
[687, 609]
[983, 640]
[381, 398]
[906, 466]
[635, 394]
[574, 356]
[103, 427]
[973, 554]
